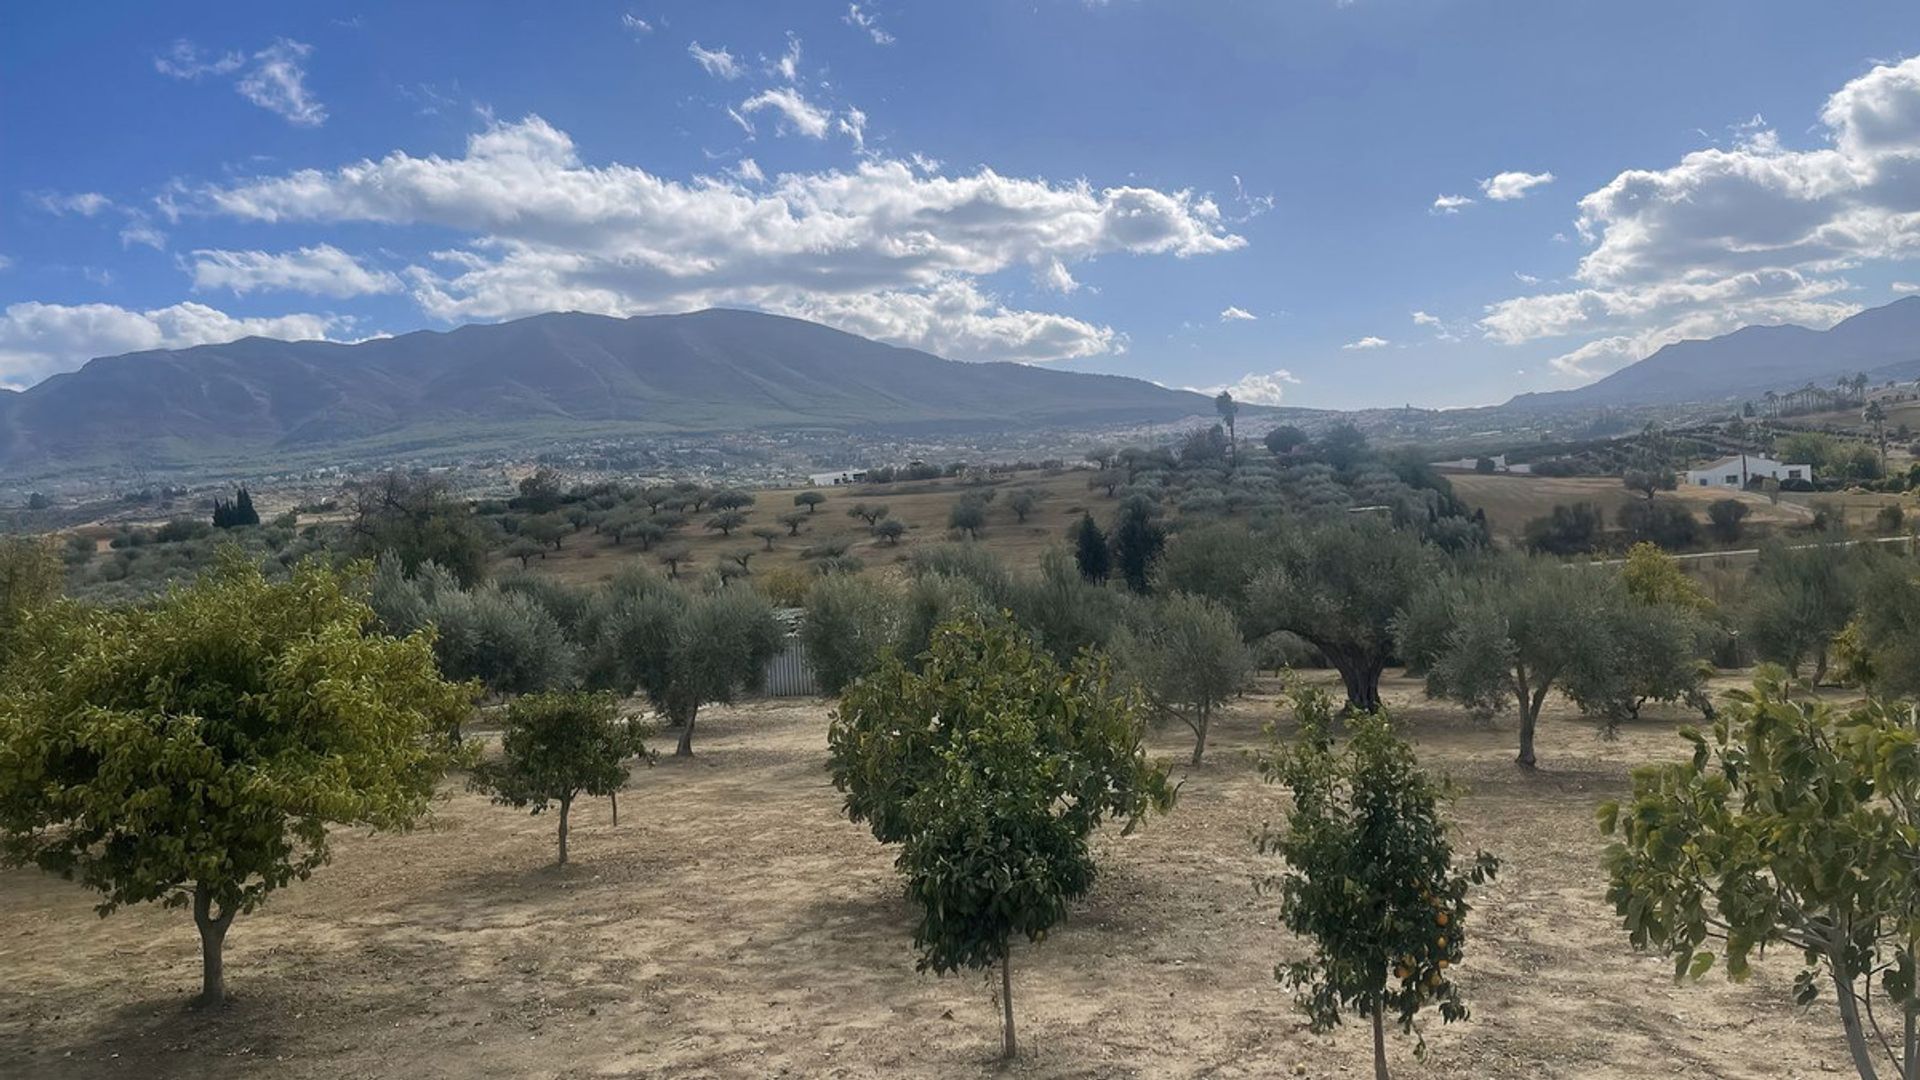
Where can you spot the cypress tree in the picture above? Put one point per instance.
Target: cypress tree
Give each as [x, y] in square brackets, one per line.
[1090, 550]
[1137, 540]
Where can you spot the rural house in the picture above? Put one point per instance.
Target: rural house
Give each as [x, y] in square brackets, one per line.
[1740, 470]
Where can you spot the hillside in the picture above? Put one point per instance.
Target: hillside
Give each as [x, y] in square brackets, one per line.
[1883, 342]
[706, 371]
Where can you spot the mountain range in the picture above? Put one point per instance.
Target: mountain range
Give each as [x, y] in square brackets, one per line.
[542, 377]
[1882, 343]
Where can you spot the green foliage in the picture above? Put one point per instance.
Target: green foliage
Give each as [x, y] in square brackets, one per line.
[1022, 502]
[555, 747]
[1666, 523]
[726, 521]
[1794, 823]
[1137, 538]
[1216, 560]
[1090, 552]
[1370, 878]
[968, 515]
[236, 514]
[419, 521]
[1801, 596]
[31, 576]
[809, 499]
[991, 765]
[505, 640]
[196, 750]
[1186, 654]
[850, 627]
[1338, 586]
[1727, 517]
[1649, 480]
[1652, 576]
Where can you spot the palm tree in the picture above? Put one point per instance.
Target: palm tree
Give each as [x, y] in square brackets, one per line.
[1877, 416]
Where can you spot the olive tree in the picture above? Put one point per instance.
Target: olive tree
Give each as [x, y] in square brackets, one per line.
[1794, 823]
[809, 499]
[196, 750]
[555, 747]
[850, 625]
[1370, 878]
[682, 650]
[991, 765]
[31, 577]
[1800, 597]
[1187, 656]
[1515, 629]
[1338, 586]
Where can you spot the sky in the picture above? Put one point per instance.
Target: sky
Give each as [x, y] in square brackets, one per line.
[1332, 203]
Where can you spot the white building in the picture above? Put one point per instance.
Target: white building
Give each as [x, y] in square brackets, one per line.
[837, 479]
[1467, 464]
[1740, 470]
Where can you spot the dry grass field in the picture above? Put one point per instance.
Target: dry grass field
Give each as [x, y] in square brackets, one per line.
[1511, 501]
[734, 925]
[923, 505]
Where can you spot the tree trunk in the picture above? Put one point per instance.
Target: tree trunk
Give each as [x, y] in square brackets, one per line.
[616, 807]
[566, 807]
[1820, 665]
[1850, 1021]
[1379, 1044]
[685, 749]
[1009, 1049]
[1910, 1068]
[213, 941]
[1529, 718]
[1200, 735]
[1361, 677]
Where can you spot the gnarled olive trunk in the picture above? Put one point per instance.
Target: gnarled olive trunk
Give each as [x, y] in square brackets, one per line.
[685, 747]
[1200, 734]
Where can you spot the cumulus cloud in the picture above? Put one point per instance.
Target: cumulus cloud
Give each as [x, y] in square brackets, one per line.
[718, 63]
[1752, 232]
[275, 78]
[1449, 204]
[796, 113]
[1507, 186]
[37, 340]
[324, 270]
[890, 247]
[1235, 314]
[1256, 388]
[862, 19]
[1368, 342]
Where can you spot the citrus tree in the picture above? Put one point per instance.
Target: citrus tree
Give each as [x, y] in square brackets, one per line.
[1370, 876]
[195, 751]
[558, 746]
[991, 764]
[1794, 823]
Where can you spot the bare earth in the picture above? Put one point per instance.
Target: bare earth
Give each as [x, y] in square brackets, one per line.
[734, 925]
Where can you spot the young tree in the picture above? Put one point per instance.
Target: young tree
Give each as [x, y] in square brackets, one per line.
[890, 530]
[1648, 481]
[1339, 586]
[1187, 655]
[809, 499]
[525, 549]
[1726, 517]
[1370, 876]
[730, 499]
[1285, 439]
[1793, 824]
[555, 747]
[259, 714]
[1090, 552]
[1799, 598]
[1566, 530]
[991, 766]
[675, 557]
[768, 535]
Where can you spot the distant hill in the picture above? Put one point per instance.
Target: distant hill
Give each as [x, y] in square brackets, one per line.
[1882, 342]
[544, 376]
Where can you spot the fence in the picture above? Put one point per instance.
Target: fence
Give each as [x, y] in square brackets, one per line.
[790, 673]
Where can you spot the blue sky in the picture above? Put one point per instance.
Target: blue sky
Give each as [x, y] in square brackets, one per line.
[1323, 202]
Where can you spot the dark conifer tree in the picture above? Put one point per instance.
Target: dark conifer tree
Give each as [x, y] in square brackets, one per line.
[1090, 550]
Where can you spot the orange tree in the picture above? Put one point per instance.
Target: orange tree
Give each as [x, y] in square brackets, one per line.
[194, 751]
[557, 746]
[1370, 877]
[1793, 823]
[991, 764]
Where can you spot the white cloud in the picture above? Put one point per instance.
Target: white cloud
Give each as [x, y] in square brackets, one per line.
[84, 203]
[140, 230]
[324, 270]
[1507, 186]
[1448, 204]
[718, 63]
[1368, 342]
[888, 246]
[748, 171]
[1421, 318]
[1054, 275]
[788, 66]
[1905, 287]
[37, 340]
[5, 262]
[1235, 314]
[864, 20]
[275, 78]
[636, 24]
[1525, 279]
[1256, 388]
[1751, 232]
[796, 112]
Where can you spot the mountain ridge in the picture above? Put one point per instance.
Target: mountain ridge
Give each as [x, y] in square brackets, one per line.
[1881, 341]
[708, 371]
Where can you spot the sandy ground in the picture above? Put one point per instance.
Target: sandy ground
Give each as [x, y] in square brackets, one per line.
[734, 925]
